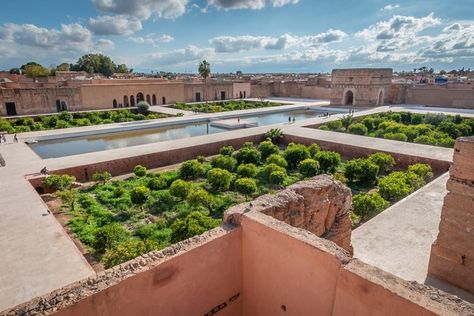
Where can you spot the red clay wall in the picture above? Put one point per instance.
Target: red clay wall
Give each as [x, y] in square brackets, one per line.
[440, 96]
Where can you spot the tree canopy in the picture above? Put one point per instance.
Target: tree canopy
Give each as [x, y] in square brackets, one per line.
[98, 63]
[204, 69]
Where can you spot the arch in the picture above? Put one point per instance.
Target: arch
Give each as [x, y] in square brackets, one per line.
[349, 98]
[140, 97]
[114, 103]
[132, 100]
[380, 98]
[125, 101]
[153, 98]
[164, 100]
[148, 99]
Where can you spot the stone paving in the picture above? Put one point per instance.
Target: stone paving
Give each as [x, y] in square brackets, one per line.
[38, 256]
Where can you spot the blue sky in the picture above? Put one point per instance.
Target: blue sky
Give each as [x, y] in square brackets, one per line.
[247, 35]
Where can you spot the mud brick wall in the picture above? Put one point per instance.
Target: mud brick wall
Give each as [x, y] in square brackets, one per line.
[452, 254]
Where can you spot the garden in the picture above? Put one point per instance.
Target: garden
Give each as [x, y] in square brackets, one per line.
[118, 220]
[214, 107]
[76, 119]
[430, 129]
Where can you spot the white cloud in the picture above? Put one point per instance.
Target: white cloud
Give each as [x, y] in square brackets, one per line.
[105, 44]
[143, 9]
[232, 44]
[165, 38]
[114, 25]
[186, 56]
[390, 7]
[250, 4]
[151, 39]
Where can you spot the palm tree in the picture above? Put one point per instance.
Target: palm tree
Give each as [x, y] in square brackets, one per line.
[204, 70]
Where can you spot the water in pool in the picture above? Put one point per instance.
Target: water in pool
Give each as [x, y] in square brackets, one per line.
[86, 144]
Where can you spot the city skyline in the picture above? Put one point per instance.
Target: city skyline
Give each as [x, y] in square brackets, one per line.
[252, 36]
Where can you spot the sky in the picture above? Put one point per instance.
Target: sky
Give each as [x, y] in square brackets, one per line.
[247, 35]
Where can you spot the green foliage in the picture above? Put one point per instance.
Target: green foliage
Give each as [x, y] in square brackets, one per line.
[248, 170]
[139, 195]
[363, 171]
[324, 127]
[334, 125]
[139, 170]
[143, 107]
[68, 197]
[329, 161]
[204, 69]
[200, 197]
[274, 135]
[268, 169]
[421, 169]
[384, 161]
[102, 177]
[219, 179]
[295, 153]
[313, 150]
[162, 201]
[58, 182]
[194, 224]
[308, 167]
[366, 205]
[277, 177]
[396, 136]
[358, 129]
[268, 148]
[224, 106]
[226, 151]
[395, 186]
[180, 189]
[127, 250]
[98, 63]
[224, 162]
[277, 159]
[106, 237]
[191, 169]
[248, 155]
[246, 186]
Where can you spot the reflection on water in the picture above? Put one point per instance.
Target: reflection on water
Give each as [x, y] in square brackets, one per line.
[86, 144]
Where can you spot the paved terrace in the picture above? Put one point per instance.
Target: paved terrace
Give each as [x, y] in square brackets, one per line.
[37, 254]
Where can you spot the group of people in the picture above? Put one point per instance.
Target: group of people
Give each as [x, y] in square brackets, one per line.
[291, 119]
[3, 138]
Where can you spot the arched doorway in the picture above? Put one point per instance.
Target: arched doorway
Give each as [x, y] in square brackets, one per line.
[125, 101]
[380, 98]
[148, 99]
[153, 99]
[132, 100]
[140, 97]
[164, 100]
[349, 98]
[114, 103]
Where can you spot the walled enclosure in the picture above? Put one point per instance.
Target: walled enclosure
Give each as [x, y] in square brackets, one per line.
[452, 253]
[364, 86]
[434, 95]
[252, 265]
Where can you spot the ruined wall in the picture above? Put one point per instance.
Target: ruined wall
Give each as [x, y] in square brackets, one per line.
[366, 85]
[243, 87]
[452, 254]
[291, 89]
[434, 95]
[261, 90]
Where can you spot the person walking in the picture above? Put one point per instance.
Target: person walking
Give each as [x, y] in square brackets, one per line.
[289, 119]
[294, 119]
[15, 138]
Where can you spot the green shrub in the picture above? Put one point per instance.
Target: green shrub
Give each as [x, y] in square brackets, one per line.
[268, 148]
[313, 149]
[358, 129]
[366, 205]
[143, 107]
[308, 167]
[162, 201]
[274, 135]
[324, 127]
[394, 186]
[224, 162]
[106, 237]
[334, 125]
[200, 197]
[266, 170]
[245, 186]
[248, 155]
[277, 159]
[361, 170]
[125, 251]
[180, 189]
[384, 161]
[226, 151]
[194, 224]
[191, 169]
[139, 195]
[414, 180]
[421, 169]
[139, 170]
[58, 182]
[247, 170]
[396, 136]
[295, 153]
[101, 177]
[329, 161]
[157, 183]
[426, 140]
[277, 177]
[219, 179]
